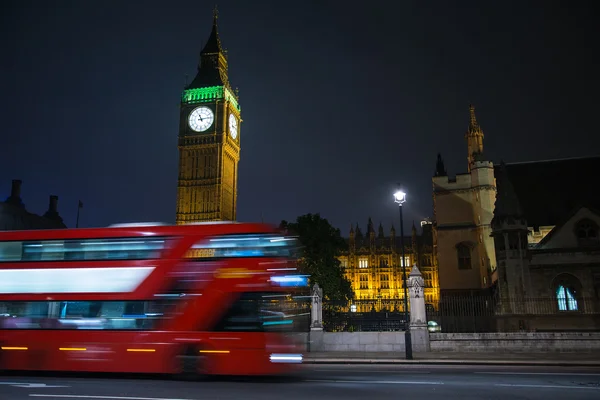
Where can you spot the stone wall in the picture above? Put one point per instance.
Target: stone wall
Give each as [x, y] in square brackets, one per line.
[364, 341]
[533, 342]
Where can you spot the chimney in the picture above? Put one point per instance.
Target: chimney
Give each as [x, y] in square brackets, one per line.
[52, 212]
[53, 206]
[15, 193]
[16, 188]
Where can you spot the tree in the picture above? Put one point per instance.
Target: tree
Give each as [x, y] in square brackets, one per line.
[321, 245]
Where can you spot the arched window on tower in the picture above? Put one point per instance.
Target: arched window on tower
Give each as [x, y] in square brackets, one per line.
[586, 231]
[463, 252]
[567, 289]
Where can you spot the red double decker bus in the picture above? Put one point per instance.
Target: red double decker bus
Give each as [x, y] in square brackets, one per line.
[189, 300]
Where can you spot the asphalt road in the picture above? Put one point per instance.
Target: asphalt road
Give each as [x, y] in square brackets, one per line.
[326, 382]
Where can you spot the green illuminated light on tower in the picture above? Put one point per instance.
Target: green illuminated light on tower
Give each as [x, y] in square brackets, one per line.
[208, 95]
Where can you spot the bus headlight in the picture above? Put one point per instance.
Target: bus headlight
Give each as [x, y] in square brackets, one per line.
[285, 358]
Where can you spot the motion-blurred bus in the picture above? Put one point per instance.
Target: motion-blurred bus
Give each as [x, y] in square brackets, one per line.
[189, 300]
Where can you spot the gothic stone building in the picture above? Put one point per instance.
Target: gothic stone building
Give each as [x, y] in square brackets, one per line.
[372, 264]
[527, 232]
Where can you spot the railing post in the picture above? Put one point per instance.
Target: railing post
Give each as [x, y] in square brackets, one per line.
[418, 315]
[315, 335]
[317, 308]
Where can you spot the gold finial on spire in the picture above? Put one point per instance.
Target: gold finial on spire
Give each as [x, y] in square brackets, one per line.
[474, 136]
[473, 118]
[473, 125]
[215, 14]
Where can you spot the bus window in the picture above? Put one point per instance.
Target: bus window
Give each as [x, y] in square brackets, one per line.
[105, 315]
[249, 245]
[83, 249]
[265, 312]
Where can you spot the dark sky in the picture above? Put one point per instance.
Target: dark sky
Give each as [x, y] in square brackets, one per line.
[340, 99]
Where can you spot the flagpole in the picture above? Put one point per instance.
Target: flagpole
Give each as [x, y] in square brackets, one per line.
[79, 206]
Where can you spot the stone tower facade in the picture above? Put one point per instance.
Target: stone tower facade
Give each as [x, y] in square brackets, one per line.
[209, 140]
[463, 212]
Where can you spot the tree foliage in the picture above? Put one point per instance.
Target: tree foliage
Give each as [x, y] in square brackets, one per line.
[321, 245]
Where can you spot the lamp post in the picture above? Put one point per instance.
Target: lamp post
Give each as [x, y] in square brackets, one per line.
[400, 198]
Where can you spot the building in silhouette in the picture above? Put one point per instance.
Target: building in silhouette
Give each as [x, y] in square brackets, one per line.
[14, 216]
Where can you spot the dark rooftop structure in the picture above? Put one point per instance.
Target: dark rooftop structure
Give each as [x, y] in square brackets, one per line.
[425, 239]
[14, 216]
[549, 190]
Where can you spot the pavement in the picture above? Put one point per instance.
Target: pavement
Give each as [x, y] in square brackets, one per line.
[348, 382]
[532, 359]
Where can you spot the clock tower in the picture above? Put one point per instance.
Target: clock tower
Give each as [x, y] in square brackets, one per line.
[209, 140]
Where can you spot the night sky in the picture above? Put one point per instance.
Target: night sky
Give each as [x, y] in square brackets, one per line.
[341, 100]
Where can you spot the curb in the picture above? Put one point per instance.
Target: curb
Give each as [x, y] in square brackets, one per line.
[364, 361]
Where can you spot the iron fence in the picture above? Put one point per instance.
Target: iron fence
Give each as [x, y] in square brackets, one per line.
[364, 316]
[467, 313]
[488, 313]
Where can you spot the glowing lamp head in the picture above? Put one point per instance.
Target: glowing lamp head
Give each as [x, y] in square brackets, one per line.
[400, 197]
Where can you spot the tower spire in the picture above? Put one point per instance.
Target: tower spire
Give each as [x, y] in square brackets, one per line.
[474, 136]
[473, 125]
[440, 168]
[213, 68]
[213, 45]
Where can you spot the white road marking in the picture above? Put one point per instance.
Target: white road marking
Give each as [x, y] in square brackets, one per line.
[376, 382]
[402, 371]
[77, 396]
[539, 373]
[546, 386]
[31, 385]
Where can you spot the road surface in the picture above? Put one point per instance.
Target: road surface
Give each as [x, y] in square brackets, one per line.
[326, 382]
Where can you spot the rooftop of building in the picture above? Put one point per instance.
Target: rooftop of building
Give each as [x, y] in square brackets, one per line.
[548, 190]
[14, 216]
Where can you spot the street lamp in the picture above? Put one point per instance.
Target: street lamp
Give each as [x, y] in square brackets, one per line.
[400, 198]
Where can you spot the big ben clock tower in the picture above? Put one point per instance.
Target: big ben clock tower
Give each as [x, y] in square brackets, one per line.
[209, 140]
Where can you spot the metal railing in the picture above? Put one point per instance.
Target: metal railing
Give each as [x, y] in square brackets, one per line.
[466, 313]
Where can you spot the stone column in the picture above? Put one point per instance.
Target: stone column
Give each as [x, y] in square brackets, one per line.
[418, 315]
[316, 309]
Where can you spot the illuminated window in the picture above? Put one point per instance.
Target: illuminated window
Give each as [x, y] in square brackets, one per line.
[363, 262]
[364, 281]
[385, 282]
[406, 261]
[463, 252]
[567, 288]
[566, 299]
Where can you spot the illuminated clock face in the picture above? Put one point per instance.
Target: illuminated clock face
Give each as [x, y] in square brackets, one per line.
[201, 119]
[233, 126]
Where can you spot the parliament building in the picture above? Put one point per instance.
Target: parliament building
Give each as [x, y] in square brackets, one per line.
[373, 265]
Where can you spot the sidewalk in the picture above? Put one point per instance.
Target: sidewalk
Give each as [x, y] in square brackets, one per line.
[446, 358]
